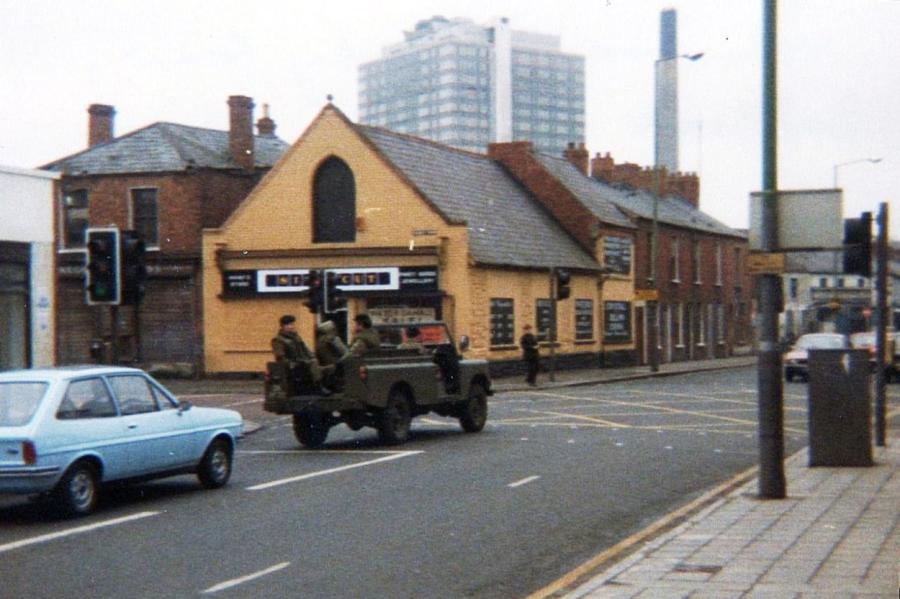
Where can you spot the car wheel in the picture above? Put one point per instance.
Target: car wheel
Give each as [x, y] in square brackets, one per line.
[473, 414]
[215, 467]
[77, 492]
[310, 431]
[395, 419]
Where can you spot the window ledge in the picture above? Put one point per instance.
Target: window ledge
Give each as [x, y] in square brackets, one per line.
[503, 347]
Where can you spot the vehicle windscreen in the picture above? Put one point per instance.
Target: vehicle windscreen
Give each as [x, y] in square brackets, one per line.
[820, 342]
[19, 402]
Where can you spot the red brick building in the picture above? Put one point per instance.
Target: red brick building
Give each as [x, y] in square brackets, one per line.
[168, 182]
[704, 287]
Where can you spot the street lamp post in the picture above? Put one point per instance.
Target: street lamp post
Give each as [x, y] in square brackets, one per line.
[653, 305]
[849, 162]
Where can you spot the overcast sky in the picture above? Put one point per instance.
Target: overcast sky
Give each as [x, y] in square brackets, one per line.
[178, 61]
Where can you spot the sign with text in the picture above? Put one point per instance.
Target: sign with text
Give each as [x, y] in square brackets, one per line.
[271, 281]
[616, 322]
[617, 254]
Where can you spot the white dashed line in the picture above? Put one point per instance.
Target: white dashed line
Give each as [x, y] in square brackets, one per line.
[74, 531]
[236, 581]
[524, 481]
[293, 479]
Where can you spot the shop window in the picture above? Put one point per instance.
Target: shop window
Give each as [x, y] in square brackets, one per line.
[584, 320]
[334, 203]
[543, 319]
[502, 322]
[75, 218]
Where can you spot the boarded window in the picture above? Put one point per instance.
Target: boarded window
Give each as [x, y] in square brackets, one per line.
[502, 321]
[334, 203]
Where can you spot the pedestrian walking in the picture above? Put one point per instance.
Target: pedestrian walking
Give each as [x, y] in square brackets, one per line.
[531, 355]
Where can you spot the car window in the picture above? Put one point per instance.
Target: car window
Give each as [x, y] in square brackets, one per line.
[166, 401]
[134, 394]
[19, 401]
[86, 398]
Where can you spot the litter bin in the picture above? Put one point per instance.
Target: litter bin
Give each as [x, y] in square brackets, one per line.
[840, 408]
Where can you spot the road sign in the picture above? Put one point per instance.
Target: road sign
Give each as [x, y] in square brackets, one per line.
[765, 263]
[646, 295]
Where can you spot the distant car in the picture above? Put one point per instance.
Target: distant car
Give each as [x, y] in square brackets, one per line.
[796, 359]
[866, 340]
[65, 431]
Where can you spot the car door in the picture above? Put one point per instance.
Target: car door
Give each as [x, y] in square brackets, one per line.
[159, 434]
[86, 421]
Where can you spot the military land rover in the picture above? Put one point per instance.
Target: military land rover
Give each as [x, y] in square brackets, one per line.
[387, 387]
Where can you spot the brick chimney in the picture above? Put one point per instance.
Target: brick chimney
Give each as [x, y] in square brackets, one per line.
[603, 167]
[240, 132]
[265, 126]
[577, 156]
[686, 185]
[100, 123]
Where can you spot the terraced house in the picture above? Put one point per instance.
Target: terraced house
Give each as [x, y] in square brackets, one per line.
[166, 181]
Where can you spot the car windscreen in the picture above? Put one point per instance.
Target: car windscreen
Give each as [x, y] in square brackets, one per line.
[19, 401]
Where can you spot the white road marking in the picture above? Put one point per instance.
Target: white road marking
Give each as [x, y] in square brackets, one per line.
[236, 581]
[524, 481]
[293, 479]
[73, 531]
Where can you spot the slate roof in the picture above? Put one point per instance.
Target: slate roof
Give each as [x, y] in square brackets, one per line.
[165, 147]
[507, 227]
[672, 210]
[587, 190]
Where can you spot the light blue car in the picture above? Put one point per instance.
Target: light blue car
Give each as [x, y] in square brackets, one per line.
[67, 430]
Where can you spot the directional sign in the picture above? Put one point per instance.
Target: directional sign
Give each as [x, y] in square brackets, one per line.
[765, 264]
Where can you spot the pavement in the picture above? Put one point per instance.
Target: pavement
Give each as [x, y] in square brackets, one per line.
[835, 535]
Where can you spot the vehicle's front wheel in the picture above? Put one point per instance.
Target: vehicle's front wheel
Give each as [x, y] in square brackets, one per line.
[78, 490]
[215, 467]
[473, 413]
[395, 419]
[309, 430]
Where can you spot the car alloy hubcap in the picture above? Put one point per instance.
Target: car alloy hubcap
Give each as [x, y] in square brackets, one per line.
[82, 489]
[219, 464]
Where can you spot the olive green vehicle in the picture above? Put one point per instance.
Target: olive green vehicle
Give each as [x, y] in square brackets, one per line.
[387, 387]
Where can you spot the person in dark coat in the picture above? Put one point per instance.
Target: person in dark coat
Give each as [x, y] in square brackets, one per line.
[290, 350]
[531, 355]
[366, 339]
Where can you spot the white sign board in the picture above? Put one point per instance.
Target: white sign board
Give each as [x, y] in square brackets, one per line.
[806, 219]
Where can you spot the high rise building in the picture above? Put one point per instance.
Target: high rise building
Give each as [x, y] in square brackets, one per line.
[467, 85]
[666, 71]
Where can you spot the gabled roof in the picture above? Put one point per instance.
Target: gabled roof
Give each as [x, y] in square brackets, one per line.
[507, 227]
[672, 210]
[165, 147]
[587, 190]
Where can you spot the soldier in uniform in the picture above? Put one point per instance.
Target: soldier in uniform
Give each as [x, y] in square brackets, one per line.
[413, 340]
[290, 350]
[366, 337]
[330, 350]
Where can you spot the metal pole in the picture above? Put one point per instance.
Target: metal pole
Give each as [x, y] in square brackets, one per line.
[553, 301]
[114, 332]
[653, 305]
[771, 389]
[881, 328]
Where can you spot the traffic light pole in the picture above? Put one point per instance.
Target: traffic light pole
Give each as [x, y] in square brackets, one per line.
[114, 332]
[553, 312]
[881, 356]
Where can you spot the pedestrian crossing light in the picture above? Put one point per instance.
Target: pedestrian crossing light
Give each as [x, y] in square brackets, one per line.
[563, 291]
[103, 281]
[314, 282]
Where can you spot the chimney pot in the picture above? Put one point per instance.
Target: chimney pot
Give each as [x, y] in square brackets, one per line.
[100, 124]
[265, 126]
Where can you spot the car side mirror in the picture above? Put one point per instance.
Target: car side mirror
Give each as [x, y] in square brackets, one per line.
[184, 406]
[463, 343]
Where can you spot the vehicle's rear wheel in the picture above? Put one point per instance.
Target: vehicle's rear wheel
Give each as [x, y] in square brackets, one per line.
[473, 413]
[215, 467]
[78, 491]
[395, 419]
[310, 430]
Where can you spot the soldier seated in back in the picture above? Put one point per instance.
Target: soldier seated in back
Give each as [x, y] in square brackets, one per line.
[290, 350]
[330, 351]
[366, 339]
[413, 341]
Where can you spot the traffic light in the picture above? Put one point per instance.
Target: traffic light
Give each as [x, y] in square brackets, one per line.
[102, 284]
[334, 295]
[134, 267]
[314, 282]
[858, 245]
[562, 284]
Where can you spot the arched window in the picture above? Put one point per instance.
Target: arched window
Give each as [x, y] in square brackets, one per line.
[334, 202]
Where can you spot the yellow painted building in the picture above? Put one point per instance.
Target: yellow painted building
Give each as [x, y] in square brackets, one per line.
[412, 230]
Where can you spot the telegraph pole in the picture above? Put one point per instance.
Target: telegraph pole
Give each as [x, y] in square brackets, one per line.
[771, 389]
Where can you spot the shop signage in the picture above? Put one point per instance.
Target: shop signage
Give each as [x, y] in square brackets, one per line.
[243, 283]
[616, 322]
[584, 320]
[544, 315]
